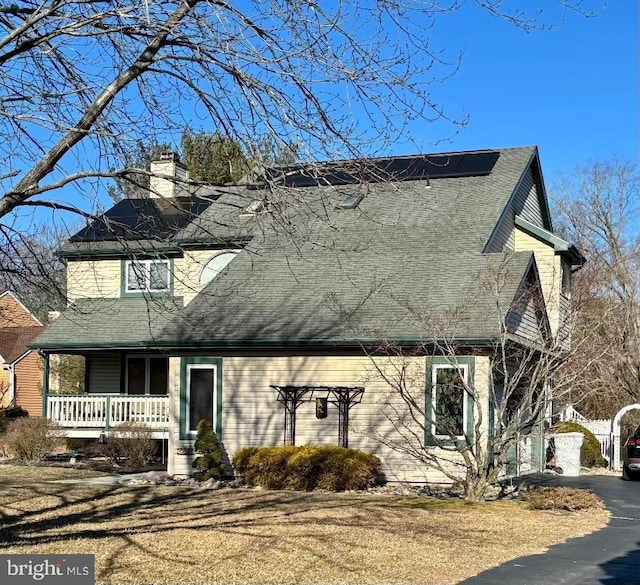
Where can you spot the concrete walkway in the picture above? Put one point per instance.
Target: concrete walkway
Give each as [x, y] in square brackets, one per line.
[610, 556]
[113, 479]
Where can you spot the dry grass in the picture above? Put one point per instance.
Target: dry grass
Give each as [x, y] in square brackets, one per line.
[13, 474]
[561, 498]
[179, 535]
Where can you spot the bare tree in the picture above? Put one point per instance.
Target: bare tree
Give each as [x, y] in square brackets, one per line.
[600, 206]
[82, 80]
[475, 408]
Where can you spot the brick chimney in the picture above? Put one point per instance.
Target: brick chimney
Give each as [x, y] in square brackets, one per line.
[166, 173]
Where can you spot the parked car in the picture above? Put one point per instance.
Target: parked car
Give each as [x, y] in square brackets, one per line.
[631, 457]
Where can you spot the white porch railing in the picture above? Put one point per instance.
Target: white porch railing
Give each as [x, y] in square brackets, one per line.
[108, 410]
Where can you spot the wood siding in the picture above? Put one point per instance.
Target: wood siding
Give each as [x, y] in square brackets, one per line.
[522, 320]
[550, 273]
[93, 279]
[251, 415]
[187, 271]
[28, 381]
[101, 278]
[104, 374]
[524, 202]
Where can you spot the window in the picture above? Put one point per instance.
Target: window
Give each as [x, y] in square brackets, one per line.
[449, 400]
[147, 375]
[201, 395]
[215, 265]
[147, 276]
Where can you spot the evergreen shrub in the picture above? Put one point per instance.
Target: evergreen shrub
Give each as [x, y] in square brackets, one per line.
[307, 468]
[209, 461]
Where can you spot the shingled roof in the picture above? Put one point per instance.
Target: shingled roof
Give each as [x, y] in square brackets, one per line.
[14, 341]
[130, 322]
[406, 263]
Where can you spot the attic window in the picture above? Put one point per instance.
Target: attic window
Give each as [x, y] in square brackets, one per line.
[215, 265]
[350, 201]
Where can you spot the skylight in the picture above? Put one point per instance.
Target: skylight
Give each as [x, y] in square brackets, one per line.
[254, 208]
[350, 201]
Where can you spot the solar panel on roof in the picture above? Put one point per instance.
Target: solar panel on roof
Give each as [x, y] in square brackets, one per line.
[411, 168]
[139, 219]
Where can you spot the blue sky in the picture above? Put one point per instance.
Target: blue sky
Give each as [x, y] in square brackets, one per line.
[572, 90]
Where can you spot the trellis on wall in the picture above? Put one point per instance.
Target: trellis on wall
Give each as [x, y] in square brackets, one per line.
[343, 397]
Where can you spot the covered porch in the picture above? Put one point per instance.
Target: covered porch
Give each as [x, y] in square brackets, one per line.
[107, 389]
[89, 415]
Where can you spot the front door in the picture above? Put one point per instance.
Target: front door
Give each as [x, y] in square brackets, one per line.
[201, 395]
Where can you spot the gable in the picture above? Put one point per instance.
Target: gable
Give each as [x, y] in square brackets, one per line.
[527, 317]
[528, 201]
[14, 314]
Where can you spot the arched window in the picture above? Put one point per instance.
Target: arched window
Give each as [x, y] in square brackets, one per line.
[215, 265]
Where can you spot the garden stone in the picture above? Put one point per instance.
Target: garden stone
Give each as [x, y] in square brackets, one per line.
[157, 476]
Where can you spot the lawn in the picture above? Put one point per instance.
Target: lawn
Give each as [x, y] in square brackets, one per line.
[191, 535]
[23, 474]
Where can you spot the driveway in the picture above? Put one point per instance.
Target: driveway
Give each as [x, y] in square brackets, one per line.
[610, 556]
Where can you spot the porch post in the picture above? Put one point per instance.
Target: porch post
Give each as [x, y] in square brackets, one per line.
[45, 384]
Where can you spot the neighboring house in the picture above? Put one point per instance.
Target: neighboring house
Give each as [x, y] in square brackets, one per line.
[20, 367]
[258, 307]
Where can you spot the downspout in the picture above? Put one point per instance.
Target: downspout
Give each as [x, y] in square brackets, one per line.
[45, 383]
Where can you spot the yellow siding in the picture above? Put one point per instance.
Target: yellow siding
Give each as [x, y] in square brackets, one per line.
[101, 278]
[93, 279]
[550, 273]
[251, 415]
[187, 271]
[4, 388]
[176, 464]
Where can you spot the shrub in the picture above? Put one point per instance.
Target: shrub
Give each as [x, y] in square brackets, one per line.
[130, 443]
[9, 414]
[29, 439]
[241, 459]
[73, 444]
[561, 498]
[307, 468]
[590, 455]
[209, 463]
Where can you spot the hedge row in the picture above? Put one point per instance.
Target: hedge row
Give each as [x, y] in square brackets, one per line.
[307, 468]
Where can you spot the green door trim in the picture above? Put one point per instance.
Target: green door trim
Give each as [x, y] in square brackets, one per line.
[215, 363]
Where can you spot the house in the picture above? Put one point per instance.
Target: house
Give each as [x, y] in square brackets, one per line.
[261, 306]
[20, 366]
